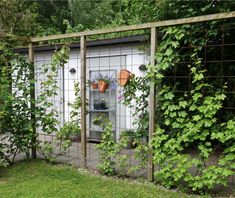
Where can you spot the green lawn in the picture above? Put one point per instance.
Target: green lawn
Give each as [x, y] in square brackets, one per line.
[39, 179]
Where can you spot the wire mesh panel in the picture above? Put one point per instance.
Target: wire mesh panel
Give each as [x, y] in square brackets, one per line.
[124, 100]
[107, 62]
[61, 100]
[103, 61]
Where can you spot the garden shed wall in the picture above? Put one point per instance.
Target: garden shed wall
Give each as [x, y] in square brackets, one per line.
[99, 58]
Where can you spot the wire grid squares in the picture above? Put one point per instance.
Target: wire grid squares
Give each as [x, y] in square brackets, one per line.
[110, 58]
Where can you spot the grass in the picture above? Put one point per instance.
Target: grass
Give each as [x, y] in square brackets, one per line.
[38, 179]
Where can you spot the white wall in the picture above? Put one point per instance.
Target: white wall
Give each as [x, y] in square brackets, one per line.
[114, 57]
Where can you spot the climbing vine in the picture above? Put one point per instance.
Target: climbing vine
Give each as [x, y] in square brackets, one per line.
[135, 96]
[110, 150]
[72, 127]
[190, 121]
[46, 114]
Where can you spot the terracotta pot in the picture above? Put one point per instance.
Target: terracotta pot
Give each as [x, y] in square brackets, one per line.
[102, 86]
[123, 77]
[94, 85]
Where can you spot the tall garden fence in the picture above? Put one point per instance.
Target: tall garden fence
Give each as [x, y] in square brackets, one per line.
[169, 99]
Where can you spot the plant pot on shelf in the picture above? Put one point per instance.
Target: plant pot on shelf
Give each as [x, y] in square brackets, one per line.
[103, 104]
[102, 86]
[94, 85]
[97, 122]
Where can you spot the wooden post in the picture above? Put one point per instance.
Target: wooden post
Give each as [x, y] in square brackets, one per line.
[83, 98]
[32, 100]
[152, 105]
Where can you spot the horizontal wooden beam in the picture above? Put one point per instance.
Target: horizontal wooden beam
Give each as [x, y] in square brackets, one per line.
[138, 27]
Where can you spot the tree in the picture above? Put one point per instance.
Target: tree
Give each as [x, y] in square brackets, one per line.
[142, 11]
[16, 17]
[94, 13]
[51, 14]
[30, 18]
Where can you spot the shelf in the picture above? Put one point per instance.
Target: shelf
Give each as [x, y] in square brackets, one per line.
[97, 90]
[95, 98]
[97, 130]
[93, 140]
[100, 110]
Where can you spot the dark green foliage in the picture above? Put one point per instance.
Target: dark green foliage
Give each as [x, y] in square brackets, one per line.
[17, 17]
[188, 120]
[52, 14]
[35, 17]
[15, 112]
[94, 14]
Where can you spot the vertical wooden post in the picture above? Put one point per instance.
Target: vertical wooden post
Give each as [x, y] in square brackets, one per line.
[32, 100]
[83, 98]
[63, 94]
[152, 105]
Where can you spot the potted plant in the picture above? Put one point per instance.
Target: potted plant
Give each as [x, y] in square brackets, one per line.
[104, 82]
[97, 121]
[123, 77]
[96, 104]
[100, 104]
[93, 83]
[128, 136]
[103, 104]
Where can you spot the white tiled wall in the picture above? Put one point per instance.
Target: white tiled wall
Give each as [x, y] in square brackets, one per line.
[98, 58]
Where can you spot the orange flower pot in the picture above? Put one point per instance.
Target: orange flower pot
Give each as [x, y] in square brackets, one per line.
[94, 85]
[123, 77]
[102, 86]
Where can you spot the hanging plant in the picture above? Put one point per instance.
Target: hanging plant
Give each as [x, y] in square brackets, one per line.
[124, 77]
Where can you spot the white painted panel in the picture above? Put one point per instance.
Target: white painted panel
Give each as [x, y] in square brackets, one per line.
[99, 58]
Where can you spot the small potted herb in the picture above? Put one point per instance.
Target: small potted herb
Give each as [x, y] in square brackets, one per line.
[96, 104]
[97, 121]
[100, 104]
[103, 104]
